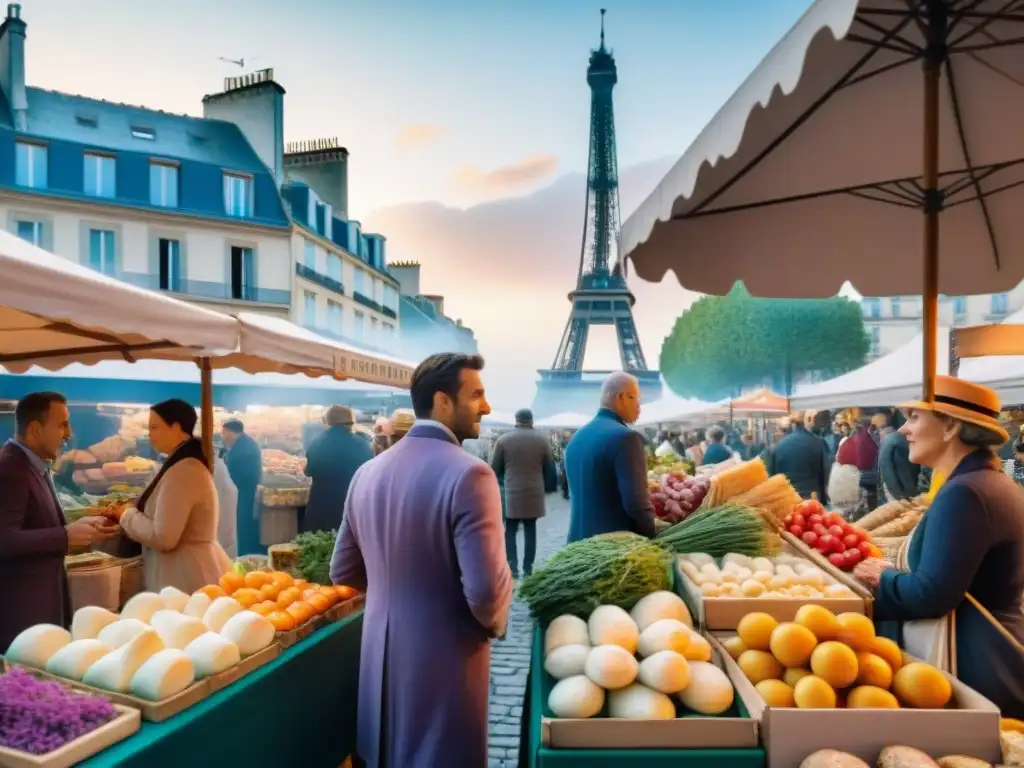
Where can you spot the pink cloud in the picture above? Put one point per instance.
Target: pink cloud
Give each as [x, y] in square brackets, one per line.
[508, 178]
[416, 135]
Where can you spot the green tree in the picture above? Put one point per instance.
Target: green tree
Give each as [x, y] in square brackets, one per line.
[724, 343]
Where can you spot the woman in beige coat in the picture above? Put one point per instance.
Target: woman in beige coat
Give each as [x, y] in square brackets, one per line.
[175, 518]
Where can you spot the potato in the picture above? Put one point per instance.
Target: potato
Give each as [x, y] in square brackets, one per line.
[831, 758]
[962, 761]
[904, 757]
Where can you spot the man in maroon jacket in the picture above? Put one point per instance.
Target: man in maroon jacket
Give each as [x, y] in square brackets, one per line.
[34, 535]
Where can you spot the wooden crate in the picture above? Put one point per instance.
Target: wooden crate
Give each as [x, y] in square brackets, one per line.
[243, 668]
[82, 748]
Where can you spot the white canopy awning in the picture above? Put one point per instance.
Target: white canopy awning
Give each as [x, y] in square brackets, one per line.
[565, 420]
[54, 312]
[890, 380]
[271, 344]
[672, 408]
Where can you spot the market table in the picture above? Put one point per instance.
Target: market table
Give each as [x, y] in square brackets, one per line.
[533, 754]
[299, 709]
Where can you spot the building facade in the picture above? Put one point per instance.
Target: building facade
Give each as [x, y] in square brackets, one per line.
[343, 289]
[167, 202]
[426, 329]
[892, 321]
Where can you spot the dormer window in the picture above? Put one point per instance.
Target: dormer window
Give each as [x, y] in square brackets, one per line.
[143, 133]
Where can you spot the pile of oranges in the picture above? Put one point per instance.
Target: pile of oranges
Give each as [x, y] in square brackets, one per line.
[286, 602]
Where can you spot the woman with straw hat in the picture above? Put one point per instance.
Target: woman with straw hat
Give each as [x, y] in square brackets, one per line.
[958, 582]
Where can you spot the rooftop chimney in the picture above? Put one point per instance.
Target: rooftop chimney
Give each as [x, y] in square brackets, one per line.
[407, 273]
[12, 66]
[255, 103]
[322, 165]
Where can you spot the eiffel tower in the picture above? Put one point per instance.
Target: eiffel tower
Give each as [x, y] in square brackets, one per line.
[601, 296]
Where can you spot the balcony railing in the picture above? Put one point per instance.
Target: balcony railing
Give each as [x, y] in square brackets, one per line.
[204, 289]
[389, 312]
[313, 276]
[366, 301]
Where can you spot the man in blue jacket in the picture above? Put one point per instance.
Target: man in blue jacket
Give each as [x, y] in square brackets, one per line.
[606, 466]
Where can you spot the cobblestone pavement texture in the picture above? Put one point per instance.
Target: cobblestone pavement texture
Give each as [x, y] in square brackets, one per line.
[510, 658]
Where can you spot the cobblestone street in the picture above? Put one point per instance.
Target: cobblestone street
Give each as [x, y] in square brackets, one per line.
[510, 658]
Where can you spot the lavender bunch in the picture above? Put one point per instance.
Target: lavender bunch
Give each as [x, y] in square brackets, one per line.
[38, 716]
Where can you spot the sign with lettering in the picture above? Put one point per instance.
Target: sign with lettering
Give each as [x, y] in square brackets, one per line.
[350, 365]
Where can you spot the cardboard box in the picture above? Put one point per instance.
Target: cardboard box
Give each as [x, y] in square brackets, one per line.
[719, 613]
[733, 729]
[970, 726]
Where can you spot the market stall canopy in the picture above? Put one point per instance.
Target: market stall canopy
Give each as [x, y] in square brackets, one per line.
[271, 344]
[887, 381]
[759, 401]
[565, 420]
[672, 409]
[811, 173]
[54, 312]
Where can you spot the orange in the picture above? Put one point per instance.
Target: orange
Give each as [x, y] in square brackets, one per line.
[248, 597]
[835, 663]
[755, 630]
[282, 579]
[812, 692]
[319, 602]
[345, 593]
[287, 597]
[270, 591]
[873, 670]
[302, 585]
[264, 608]
[212, 591]
[921, 686]
[889, 651]
[820, 620]
[856, 630]
[231, 581]
[282, 621]
[301, 612]
[257, 579]
[329, 593]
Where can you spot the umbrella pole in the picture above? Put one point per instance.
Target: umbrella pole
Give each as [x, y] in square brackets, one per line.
[935, 57]
[206, 407]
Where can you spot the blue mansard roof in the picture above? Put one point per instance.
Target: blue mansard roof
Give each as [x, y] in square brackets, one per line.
[204, 150]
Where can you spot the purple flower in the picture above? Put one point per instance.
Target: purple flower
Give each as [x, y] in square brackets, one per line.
[38, 716]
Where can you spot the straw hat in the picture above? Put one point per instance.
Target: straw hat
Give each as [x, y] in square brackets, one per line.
[402, 420]
[966, 401]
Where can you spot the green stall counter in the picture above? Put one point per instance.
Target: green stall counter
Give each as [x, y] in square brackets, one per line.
[534, 754]
[298, 710]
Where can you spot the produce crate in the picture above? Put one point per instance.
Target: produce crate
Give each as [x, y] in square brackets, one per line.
[133, 578]
[120, 728]
[152, 711]
[723, 613]
[292, 636]
[243, 668]
[278, 525]
[735, 728]
[339, 611]
[968, 726]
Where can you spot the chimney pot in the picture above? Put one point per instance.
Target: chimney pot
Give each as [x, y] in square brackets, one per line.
[13, 11]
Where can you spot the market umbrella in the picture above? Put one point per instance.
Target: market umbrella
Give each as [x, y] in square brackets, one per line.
[868, 120]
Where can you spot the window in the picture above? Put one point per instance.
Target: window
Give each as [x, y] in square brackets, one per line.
[872, 307]
[143, 133]
[334, 266]
[30, 162]
[1000, 303]
[373, 329]
[101, 251]
[895, 301]
[359, 324]
[243, 273]
[876, 339]
[334, 317]
[31, 232]
[100, 175]
[163, 185]
[390, 297]
[309, 309]
[321, 219]
[309, 255]
[360, 286]
[959, 305]
[170, 264]
[237, 195]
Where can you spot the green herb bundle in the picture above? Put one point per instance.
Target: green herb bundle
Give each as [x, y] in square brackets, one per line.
[717, 531]
[315, 551]
[602, 570]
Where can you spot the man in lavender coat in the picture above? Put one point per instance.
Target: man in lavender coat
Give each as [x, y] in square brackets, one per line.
[422, 534]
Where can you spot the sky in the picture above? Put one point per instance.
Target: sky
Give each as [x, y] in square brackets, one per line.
[454, 112]
[457, 101]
